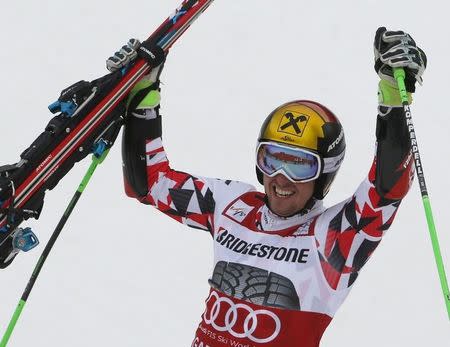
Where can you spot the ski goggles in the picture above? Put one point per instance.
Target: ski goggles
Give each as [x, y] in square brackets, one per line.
[296, 164]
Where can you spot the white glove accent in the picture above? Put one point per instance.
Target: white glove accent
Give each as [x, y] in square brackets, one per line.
[123, 57]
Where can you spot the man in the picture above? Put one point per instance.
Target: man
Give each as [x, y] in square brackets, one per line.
[283, 264]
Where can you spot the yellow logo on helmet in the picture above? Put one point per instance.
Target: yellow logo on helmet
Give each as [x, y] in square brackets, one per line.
[293, 123]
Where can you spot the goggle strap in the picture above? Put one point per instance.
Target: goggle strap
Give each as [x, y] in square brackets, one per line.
[332, 164]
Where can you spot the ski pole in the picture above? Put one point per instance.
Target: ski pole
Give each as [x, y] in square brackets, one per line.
[399, 75]
[98, 157]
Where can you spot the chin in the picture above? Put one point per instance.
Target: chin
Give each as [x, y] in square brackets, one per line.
[281, 211]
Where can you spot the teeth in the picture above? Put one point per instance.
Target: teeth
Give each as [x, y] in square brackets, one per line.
[282, 192]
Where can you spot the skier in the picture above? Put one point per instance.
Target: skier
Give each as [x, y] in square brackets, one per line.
[283, 263]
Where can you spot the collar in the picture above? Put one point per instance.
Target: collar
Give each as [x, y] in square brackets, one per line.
[273, 222]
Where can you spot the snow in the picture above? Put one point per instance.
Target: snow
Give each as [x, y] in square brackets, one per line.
[123, 274]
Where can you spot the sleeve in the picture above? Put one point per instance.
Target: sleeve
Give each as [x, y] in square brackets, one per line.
[191, 200]
[348, 233]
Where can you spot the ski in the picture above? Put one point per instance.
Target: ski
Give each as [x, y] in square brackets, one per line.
[88, 111]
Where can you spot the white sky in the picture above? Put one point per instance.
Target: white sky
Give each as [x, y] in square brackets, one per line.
[122, 274]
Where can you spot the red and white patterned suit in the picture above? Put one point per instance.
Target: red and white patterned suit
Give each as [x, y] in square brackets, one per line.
[278, 281]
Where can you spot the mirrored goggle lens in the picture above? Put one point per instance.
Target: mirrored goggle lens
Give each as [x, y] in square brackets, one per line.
[298, 164]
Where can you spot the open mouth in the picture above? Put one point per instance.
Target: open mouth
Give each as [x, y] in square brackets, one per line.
[282, 193]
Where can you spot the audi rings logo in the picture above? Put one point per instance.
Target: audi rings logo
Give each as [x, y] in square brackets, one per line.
[224, 307]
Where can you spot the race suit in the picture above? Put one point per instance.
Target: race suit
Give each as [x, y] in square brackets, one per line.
[276, 281]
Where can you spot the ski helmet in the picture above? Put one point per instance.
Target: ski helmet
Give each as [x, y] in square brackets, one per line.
[310, 126]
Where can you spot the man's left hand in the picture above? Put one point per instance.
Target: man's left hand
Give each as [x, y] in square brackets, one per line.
[398, 49]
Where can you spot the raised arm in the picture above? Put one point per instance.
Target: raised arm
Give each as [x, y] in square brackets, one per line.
[189, 199]
[349, 232]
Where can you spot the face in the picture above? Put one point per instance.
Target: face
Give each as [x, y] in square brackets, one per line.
[287, 198]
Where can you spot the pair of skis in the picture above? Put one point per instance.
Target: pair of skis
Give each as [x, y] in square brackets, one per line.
[89, 120]
[82, 123]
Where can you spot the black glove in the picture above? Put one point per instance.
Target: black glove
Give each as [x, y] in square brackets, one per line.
[144, 98]
[398, 49]
[153, 54]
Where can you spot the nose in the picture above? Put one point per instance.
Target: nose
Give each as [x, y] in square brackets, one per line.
[281, 179]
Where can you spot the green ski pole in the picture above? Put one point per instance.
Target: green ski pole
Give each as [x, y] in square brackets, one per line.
[399, 75]
[97, 159]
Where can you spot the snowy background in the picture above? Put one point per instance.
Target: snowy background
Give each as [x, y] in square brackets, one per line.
[122, 274]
